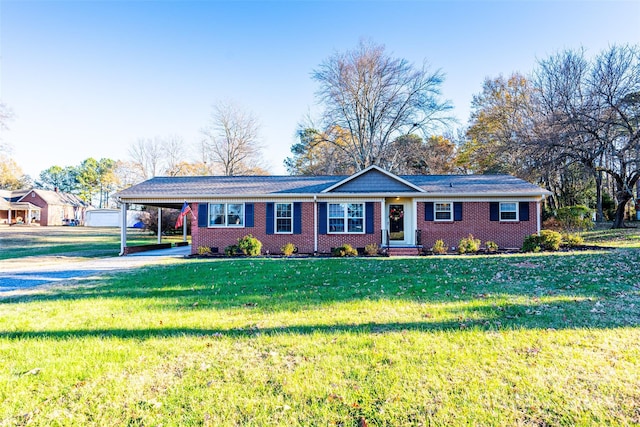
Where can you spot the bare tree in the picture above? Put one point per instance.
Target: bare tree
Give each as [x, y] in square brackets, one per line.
[591, 114]
[147, 155]
[376, 99]
[231, 140]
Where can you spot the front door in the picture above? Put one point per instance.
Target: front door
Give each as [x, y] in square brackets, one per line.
[396, 223]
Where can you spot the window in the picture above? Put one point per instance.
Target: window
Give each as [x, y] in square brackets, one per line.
[346, 217]
[226, 215]
[443, 211]
[509, 211]
[284, 217]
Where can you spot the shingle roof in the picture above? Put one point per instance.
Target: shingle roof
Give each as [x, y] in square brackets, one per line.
[56, 197]
[215, 186]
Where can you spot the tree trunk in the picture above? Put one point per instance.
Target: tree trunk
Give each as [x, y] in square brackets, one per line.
[618, 222]
[599, 211]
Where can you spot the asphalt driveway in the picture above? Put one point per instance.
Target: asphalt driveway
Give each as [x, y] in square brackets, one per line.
[37, 274]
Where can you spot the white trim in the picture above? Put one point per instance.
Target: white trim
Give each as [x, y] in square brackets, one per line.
[315, 225]
[275, 218]
[364, 171]
[442, 202]
[538, 216]
[309, 197]
[345, 218]
[225, 225]
[159, 225]
[123, 227]
[517, 211]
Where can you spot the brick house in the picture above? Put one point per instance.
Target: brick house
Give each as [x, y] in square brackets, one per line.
[43, 207]
[318, 213]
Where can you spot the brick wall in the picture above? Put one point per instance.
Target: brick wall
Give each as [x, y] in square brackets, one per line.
[222, 237]
[475, 220]
[328, 241]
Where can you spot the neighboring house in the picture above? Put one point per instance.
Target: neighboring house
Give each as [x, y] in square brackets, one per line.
[318, 213]
[45, 207]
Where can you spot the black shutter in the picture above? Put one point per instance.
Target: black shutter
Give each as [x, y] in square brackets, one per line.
[523, 211]
[457, 211]
[248, 215]
[203, 214]
[297, 218]
[494, 211]
[270, 218]
[428, 211]
[368, 214]
[322, 218]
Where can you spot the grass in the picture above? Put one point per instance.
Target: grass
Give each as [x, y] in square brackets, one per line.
[604, 235]
[495, 340]
[83, 242]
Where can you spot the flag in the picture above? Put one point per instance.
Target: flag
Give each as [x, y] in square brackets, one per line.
[185, 210]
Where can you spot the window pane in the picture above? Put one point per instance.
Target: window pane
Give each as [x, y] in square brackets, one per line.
[235, 214]
[508, 211]
[216, 214]
[283, 225]
[355, 225]
[336, 210]
[336, 225]
[443, 215]
[355, 210]
[443, 211]
[507, 207]
[283, 210]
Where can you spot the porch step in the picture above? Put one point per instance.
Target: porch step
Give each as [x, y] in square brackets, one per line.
[404, 250]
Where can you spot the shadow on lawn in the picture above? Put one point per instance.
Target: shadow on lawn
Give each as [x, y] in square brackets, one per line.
[487, 317]
[564, 291]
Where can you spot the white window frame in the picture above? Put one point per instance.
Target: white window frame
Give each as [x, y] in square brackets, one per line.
[436, 211]
[345, 218]
[226, 216]
[276, 218]
[501, 211]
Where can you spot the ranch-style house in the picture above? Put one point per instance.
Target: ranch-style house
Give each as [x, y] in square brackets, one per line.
[318, 213]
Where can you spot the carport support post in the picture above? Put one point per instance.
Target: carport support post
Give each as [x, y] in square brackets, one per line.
[184, 229]
[159, 225]
[123, 227]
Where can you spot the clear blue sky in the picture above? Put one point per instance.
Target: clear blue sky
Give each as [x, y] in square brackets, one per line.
[89, 78]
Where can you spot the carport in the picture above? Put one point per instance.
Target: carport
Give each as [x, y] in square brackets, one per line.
[125, 204]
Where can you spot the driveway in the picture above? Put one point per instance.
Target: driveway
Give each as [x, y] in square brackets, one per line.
[16, 277]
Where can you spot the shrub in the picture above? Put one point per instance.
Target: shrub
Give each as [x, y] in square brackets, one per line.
[371, 249]
[468, 244]
[572, 240]
[231, 250]
[249, 245]
[439, 247]
[532, 243]
[345, 250]
[204, 250]
[575, 218]
[288, 249]
[548, 240]
[491, 246]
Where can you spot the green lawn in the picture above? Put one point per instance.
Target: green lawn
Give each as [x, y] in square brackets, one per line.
[82, 242]
[497, 340]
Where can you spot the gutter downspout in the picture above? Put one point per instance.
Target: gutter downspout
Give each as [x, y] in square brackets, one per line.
[315, 224]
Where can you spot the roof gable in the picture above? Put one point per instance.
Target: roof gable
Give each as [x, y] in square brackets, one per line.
[373, 180]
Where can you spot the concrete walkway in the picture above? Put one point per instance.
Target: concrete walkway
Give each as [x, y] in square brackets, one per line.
[37, 274]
